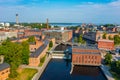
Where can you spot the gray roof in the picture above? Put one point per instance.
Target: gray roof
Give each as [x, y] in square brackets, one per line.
[4, 66]
[86, 47]
[57, 30]
[40, 49]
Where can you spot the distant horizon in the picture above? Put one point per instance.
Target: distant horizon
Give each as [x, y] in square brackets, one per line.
[61, 22]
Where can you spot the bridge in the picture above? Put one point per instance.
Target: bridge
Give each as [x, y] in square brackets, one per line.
[69, 43]
[59, 54]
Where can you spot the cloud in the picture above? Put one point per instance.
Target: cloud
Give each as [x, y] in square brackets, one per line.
[115, 3]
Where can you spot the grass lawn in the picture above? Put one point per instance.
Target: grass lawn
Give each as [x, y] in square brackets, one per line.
[24, 74]
[116, 76]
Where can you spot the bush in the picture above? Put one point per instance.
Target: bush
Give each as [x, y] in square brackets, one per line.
[42, 59]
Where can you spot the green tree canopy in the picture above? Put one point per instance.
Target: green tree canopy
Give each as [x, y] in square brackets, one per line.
[104, 35]
[108, 58]
[80, 40]
[110, 38]
[25, 52]
[116, 39]
[51, 44]
[15, 54]
[115, 66]
[31, 39]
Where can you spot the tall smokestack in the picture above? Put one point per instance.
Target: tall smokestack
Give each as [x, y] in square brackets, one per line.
[17, 19]
[47, 24]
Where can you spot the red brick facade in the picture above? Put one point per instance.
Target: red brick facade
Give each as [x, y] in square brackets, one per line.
[33, 47]
[35, 61]
[89, 57]
[86, 59]
[106, 44]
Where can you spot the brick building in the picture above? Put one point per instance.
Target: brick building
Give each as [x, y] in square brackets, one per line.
[35, 57]
[4, 71]
[25, 33]
[34, 46]
[4, 34]
[106, 44]
[86, 55]
[59, 35]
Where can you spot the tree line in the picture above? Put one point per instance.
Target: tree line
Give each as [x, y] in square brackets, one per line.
[15, 54]
[116, 38]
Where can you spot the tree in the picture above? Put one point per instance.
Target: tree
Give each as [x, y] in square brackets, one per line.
[115, 66]
[13, 55]
[104, 35]
[110, 38]
[51, 44]
[108, 58]
[80, 40]
[116, 39]
[25, 52]
[31, 39]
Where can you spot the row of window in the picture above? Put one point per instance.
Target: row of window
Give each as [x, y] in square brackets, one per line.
[87, 57]
[4, 72]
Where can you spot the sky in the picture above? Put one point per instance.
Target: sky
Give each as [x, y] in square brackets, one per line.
[65, 11]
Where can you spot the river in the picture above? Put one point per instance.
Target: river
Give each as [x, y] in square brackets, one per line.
[59, 69]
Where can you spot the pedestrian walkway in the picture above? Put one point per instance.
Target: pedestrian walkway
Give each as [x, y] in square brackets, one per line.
[40, 69]
[106, 72]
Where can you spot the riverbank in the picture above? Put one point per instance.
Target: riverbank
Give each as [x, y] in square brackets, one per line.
[106, 72]
[41, 69]
[24, 74]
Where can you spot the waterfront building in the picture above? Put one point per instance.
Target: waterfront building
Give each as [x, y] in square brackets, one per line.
[35, 45]
[59, 35]
[35, 57]
[4, 71]
[86, 55]
[40, 52]
[106, 44]
[24, 33]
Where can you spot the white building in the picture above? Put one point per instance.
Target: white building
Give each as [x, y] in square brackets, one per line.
[2, 24]
[7, 24]
[4, 35]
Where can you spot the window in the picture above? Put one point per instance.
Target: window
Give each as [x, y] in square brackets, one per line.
[7, 71]
[2, 73]
[89, 57]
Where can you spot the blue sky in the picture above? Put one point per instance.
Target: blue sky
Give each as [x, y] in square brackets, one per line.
[79, 11]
